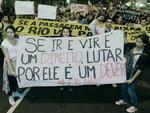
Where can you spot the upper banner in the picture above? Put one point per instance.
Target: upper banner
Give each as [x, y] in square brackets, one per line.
[128, 15]
[52, 28]
[48, 28]
[71, 61]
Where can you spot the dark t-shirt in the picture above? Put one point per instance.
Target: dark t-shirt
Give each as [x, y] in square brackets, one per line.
[142, 62]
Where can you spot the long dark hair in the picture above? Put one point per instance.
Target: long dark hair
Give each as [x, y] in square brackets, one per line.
[13, 29]
[144, 38]
[61, 34]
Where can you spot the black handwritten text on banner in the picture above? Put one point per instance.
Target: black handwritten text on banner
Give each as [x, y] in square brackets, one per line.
[71, 61]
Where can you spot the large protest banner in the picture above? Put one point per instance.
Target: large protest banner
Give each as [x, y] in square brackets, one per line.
[71, 61]
[48, 28]
[132, 32]
[53, 28]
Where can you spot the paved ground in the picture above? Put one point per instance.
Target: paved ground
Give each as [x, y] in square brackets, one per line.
[87, 99]
[83, 99]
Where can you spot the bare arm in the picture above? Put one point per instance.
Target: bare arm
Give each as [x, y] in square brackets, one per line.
[8, 61]
[92, 26]
[138, 72]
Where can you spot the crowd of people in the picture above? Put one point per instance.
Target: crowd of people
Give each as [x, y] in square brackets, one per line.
[65, 14]
[137, 53]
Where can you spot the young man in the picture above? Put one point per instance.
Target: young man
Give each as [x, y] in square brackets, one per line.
[96, 29]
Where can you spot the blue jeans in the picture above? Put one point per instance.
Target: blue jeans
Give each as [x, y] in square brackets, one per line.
[129, 94]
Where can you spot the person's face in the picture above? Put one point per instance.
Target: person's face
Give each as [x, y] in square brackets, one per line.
[108, 23]
[148, 18]
[119, 20]
[5, 19]
[12, 19]
[143, 22]
[72, 17]
[10, 33]
[139, 43]
[78, 15]
[64, 19]
[89, 17]
[101, 18]
[66, 33]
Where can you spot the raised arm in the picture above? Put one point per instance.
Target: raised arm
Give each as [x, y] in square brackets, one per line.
[92, 26]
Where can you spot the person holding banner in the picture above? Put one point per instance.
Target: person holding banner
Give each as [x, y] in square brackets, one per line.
[135, 62]
[96, 29]
[9, 47]
[1, 38]
[119, 20]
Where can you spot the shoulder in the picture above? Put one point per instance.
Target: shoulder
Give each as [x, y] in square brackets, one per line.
[1, 26]
[4, 42]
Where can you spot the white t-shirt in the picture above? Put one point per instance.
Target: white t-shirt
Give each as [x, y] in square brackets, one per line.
[136, 56]
[95, 29]
[12, 49]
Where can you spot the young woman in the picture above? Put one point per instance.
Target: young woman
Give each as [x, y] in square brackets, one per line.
[135, 61]
[9, 47]
[66, 32]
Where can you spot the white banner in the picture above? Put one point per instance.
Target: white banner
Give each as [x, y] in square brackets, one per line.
[47, 12]
[71, 61]
[79, 8]
[24, 8]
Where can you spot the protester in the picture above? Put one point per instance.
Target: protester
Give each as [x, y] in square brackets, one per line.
[94, 26]
[143, 22]
[78, 17]
[1, 38]
[88, 19]
[135, 61]
[119, 20]
[5, 22]
[148, 20]
[106, 16]
[9, 47]
[72, 18]
[66, 32]
[11, 19]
